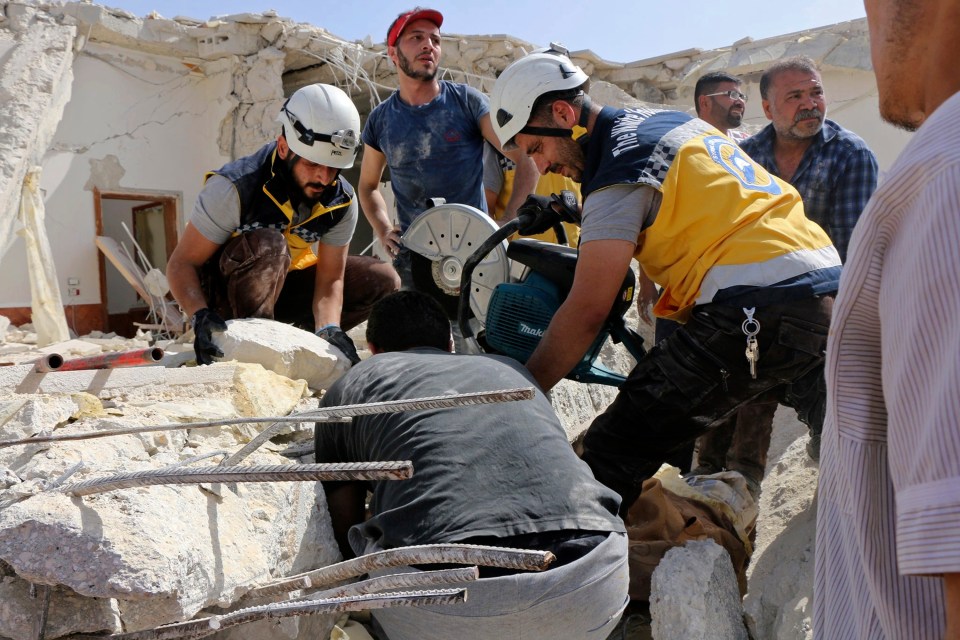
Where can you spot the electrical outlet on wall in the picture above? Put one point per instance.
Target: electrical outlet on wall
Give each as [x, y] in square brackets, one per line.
[73, 287]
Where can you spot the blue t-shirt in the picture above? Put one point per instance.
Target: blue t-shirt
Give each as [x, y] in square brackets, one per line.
[434, 150]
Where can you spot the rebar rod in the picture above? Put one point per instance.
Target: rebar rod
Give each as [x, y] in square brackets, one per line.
[265, 435]
[42, 592]
[261, 473]
[406, 581]
[465, 554]
[207, 626]
[53, 484]
[391, 406]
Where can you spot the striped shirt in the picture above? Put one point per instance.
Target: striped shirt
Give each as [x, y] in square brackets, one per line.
[888, 520]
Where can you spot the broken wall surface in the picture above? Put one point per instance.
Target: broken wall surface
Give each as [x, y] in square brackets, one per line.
[136, 123]
[36, 54]
[841, 51]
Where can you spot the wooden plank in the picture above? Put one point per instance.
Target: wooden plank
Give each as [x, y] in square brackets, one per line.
[168, 312]
[129, 270]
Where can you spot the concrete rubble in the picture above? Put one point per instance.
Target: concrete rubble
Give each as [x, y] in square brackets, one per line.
[694, 595]
[285, 350]
[118, 560]
[135, 558]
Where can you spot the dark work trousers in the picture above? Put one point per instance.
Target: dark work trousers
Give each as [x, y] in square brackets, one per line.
[698, 377]
[248, 278]
[739, 443]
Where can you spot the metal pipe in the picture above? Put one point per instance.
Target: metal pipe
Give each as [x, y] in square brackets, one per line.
[135, 358]
[48, 363]
[328, 413]
[465, 554]
[262, 473]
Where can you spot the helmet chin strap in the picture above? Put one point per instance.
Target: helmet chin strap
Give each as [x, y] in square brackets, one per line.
[558, 132]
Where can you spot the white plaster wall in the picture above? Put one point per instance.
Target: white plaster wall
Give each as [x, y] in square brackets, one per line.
[134, 123]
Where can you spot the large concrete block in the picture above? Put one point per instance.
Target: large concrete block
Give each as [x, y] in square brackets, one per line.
[283, 349]
[694, 595]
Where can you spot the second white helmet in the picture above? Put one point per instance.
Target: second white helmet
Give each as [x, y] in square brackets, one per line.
[321, 123]
[518, 87]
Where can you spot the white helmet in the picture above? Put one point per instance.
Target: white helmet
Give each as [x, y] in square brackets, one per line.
[518, 87]
[321, 123]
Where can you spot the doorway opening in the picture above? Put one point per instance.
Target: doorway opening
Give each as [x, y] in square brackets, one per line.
[136, 230]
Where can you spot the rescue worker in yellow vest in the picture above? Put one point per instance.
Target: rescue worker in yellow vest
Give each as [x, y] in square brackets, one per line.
[749, 276]
[269, 234]
[498, 174]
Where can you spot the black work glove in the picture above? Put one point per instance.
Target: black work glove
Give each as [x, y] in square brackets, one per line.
[205, 322]
[536, 215]
[338, 338]
[569, 207]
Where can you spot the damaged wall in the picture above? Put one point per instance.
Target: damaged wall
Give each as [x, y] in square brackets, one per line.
[148, 105]
[136, 123]
[36, 54]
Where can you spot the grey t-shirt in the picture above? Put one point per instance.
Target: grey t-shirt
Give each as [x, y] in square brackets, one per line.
[216, 214]
[619, 212]
[498, 470]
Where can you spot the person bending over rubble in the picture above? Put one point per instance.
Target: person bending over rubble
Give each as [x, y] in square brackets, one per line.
[495, 474]
[739, 263]
[269, 233]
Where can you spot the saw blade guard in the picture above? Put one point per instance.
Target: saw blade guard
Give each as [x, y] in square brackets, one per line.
[447, 235]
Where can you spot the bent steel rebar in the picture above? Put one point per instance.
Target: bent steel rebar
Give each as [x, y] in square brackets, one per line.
[465, 554]
[414, 580]
[325, 414]
[267, 434]
[400, 470]
[207, 626]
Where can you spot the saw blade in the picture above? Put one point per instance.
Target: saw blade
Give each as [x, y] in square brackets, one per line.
[447, 235]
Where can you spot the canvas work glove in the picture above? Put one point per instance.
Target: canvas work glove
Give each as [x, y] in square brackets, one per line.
[338, 338]
[204, 323]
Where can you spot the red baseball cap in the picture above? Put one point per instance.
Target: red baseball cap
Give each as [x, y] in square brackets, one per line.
[417, 13]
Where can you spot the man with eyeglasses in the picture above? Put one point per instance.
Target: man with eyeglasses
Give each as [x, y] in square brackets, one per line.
[270, 232]
[720, 102]
[430, 134]
[741, 441]
[831, 167]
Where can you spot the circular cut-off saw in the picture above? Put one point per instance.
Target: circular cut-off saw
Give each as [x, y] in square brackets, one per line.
[441, 240]
[457, 252]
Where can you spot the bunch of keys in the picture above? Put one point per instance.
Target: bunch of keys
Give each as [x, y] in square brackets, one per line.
[751, 328]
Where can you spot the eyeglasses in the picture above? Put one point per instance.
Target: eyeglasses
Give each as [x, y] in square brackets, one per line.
[344, 138]
[733, 94]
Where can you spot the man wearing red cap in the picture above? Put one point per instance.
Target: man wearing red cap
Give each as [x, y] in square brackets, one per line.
[430, 134]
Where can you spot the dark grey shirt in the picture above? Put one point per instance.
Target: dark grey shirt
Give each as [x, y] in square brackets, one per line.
[496, 470]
